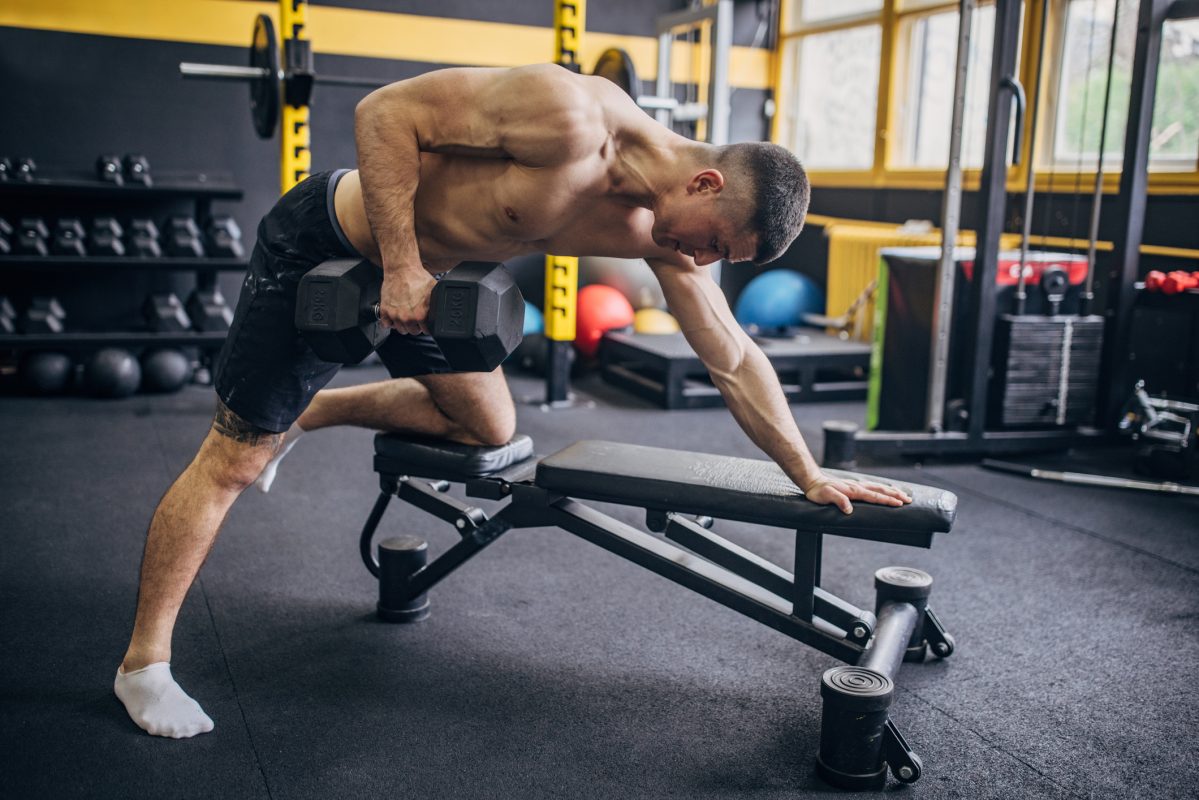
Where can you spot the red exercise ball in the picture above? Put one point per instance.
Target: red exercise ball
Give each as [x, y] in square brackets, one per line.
[601, 308]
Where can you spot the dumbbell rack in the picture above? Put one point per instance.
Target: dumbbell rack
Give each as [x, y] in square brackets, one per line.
[80, 195]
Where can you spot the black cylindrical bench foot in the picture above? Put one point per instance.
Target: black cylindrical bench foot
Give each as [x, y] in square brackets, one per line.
[840, 445]
[399, 559]
[851, 728]
[906, 585]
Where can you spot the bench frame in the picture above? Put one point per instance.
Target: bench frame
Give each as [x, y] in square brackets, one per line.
[858, 741]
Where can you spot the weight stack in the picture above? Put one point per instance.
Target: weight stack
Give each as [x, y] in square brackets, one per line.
[1046, 371]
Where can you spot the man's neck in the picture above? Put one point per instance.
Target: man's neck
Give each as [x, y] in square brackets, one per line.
[651, 161]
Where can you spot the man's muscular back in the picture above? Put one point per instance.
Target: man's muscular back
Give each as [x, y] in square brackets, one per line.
[498, 181]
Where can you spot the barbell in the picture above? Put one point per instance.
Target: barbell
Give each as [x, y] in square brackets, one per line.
[290, 81]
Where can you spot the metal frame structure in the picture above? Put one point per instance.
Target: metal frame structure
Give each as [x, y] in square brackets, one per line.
[1116, 378]
[858, 741]
[977, 439]
[718, 108]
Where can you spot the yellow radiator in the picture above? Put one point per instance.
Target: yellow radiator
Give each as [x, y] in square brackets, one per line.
[853, 263]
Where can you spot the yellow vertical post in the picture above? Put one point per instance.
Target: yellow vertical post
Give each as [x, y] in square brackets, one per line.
[296, 156]
[562, 272]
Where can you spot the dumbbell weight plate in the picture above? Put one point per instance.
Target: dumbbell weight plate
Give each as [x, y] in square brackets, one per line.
[478, 316]
[616, 65]
[264, 91]
[336, 308]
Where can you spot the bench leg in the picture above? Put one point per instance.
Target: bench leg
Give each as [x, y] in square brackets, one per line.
[858, 742]
[400, 558]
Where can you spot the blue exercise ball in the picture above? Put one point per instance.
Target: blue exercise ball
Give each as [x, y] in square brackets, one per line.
[778, 299]
[534, 322]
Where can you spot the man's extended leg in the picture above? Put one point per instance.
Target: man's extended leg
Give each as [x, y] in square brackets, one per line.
[182, 532]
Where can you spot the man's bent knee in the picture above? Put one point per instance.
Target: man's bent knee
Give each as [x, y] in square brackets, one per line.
[492, 426]
[494, 432]
[236, 451]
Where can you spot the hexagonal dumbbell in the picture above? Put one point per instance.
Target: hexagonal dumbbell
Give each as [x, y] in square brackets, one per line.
[142, 240]
[31, 239]
[183, 238]
[68, 238]
[224, 237]
[106, 237]
[476, 313]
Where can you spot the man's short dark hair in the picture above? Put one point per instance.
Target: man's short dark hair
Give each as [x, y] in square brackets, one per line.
[778, 193]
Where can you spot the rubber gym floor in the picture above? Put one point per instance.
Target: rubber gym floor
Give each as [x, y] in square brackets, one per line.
[550, 668]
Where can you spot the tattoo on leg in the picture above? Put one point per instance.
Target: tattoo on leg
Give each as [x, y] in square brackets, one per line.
[234, 427]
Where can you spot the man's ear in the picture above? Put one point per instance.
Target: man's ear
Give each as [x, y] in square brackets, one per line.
[709, 180]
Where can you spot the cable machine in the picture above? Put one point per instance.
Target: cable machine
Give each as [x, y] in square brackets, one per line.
[1087, 352]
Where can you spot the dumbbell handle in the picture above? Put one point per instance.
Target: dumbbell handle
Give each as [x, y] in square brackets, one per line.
[377, 310]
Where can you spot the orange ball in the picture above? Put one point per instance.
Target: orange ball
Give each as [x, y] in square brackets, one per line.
[601, 308]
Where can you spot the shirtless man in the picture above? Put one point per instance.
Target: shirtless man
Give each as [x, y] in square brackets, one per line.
[469, 165]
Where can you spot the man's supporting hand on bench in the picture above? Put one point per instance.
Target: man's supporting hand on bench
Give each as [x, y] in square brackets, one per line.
[839, 492]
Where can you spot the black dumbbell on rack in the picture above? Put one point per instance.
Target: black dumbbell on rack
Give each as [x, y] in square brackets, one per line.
[68, 238]
[108, 169]
[106, 237]
[25, 169]
[224, 237]
[208, 311]
[8, 316]
[183, 238]
[6, 233]
[165, 313]
[142, 240]
[44, 315]
[137, 169]
[32, 237]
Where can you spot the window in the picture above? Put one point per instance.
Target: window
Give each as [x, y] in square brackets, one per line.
[924, 92]
[835, 97]
[831, 51]
[833, 115]
[806, 12]
[1174, 139]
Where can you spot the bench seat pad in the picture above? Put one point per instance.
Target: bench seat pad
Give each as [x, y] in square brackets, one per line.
[726, 487]
[401, 454]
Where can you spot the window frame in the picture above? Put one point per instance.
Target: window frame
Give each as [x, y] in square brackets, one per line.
[892, 68]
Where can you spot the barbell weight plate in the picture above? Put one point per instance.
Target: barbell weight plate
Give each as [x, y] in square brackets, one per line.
[264, 91]
[616, 65]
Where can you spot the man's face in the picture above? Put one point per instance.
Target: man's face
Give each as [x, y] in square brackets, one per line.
[696, 224]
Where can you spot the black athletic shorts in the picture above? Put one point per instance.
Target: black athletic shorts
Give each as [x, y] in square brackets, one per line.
[266, 373]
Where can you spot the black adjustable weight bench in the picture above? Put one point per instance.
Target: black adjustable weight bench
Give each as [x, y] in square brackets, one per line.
[681, 493]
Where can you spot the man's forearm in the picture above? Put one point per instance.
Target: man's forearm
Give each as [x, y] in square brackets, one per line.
[389, 170]
[753, 394]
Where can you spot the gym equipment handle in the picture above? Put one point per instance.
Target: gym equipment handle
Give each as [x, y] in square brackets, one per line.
[1017, 90]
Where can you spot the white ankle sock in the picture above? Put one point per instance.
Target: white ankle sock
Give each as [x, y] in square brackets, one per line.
[268, 473]
[157, 704]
